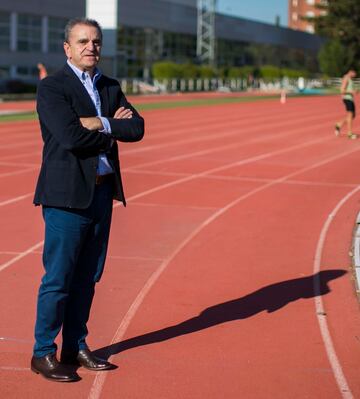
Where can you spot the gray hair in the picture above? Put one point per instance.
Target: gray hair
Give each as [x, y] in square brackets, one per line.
[80, 21]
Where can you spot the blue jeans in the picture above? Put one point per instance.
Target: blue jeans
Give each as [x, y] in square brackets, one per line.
[74, 255]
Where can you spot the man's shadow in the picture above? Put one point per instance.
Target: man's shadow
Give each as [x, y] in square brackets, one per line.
[270, 298]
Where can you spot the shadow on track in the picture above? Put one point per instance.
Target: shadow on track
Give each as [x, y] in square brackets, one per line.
[270, 298]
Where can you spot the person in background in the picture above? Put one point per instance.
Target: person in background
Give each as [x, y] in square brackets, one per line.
[42, 71]
[347, 91]
[82, 114]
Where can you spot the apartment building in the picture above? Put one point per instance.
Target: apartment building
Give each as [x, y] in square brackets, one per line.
[299, 10]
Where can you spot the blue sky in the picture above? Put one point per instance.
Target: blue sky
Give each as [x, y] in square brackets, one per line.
[259, 10]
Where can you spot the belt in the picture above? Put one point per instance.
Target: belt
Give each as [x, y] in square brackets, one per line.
[101, 179]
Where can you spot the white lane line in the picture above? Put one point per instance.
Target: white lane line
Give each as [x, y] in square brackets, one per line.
[22, 155]
[319, 305]
[139, 258]
[175, 182]
[268, 122]
[17, 340]
[20, 256]
[20, 144]
[195, 207]
[220, 148]
[4, 368]
[213, 135]
[17, 164]
[242, 178]
[99, 381]
[194, 176]
[233, 164]
[15, 368]
[16, 199]
[19, 172]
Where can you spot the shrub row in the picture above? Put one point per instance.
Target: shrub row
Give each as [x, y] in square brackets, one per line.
[172, 70]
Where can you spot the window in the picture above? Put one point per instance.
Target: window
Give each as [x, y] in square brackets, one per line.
[310, 14]
[310, 2]
[4, 30]
[310, 29]
[26, 71]
[4, 72]
[294, 16]
[295, 3]
[29, 33]
[56, 34]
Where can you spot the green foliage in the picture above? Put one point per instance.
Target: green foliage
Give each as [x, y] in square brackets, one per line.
[171, 70]
[166, 70]
[340, 24]
[240, 72]
[270, 72]
[207, 72]
[335, 59]
[294, 73]
[188, 71]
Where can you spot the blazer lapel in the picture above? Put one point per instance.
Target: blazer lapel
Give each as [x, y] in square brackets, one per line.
[79, 90]
[104, 96]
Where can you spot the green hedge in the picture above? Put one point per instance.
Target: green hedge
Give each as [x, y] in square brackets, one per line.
[171, 70]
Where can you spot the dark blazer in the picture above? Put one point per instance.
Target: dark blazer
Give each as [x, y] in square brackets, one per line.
[70, 153]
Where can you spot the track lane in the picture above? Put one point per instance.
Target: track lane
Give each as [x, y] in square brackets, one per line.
[164, 237]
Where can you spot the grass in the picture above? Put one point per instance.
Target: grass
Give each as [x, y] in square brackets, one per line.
[26, 116]
[202, 101]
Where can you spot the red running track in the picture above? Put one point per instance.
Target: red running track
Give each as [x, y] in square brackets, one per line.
[228, 274]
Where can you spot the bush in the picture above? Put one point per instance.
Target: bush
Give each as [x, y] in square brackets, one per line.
[235, 73]
[166, 70]
[207, 72]
[294, 73]
[270, 72]
[188, 71]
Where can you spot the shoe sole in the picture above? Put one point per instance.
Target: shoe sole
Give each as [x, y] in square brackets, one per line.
[99, 369]
[53, 379]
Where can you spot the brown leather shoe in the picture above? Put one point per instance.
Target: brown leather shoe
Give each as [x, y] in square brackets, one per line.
[86, 359]
[51, 369]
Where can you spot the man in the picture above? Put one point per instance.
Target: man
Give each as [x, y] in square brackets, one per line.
[82, 113]
[348, 91]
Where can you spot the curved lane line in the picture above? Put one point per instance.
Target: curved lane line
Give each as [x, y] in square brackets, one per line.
[21, 255]
[319, 305]
[99, 380]
[16, 199]
[182, 180]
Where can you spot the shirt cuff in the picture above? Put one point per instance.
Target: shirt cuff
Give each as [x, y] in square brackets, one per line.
[105, 122]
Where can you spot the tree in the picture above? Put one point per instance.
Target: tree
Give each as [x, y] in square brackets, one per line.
[335, 59]
[341, 25]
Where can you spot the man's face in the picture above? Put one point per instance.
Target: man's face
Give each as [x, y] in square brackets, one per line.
[83, 49]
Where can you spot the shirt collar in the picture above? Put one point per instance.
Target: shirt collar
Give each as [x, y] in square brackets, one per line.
[82, 75]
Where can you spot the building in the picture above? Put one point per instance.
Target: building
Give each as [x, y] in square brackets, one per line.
[138, 33]
[31, 31]
[167, 29]
[299, 10]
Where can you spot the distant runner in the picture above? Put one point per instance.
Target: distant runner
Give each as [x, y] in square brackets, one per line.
[348, 91]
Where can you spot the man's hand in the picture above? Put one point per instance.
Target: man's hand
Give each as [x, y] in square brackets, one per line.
[123, 113]
[92, 123]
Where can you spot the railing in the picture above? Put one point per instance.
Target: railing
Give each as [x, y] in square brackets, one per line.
[137, 86]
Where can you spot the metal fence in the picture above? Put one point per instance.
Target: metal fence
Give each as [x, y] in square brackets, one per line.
[137, 86]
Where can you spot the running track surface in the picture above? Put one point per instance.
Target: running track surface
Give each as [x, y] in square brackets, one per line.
[228, 274]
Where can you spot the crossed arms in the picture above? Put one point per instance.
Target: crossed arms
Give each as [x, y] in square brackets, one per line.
[59, 118]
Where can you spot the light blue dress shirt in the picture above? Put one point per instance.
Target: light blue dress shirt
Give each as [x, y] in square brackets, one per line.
[104, 166]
